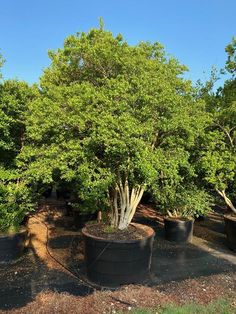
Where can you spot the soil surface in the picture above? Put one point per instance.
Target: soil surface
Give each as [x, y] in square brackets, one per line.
[133, 232]
[50, 276]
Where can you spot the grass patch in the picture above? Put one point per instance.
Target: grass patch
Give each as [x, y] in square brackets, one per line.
[217, 307]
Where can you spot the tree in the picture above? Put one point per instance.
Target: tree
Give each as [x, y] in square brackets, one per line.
[231, 61]
[14, 99]
[113, 119]
[218, 151]
[16, 198]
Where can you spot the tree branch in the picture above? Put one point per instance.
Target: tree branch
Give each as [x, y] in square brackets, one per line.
[227, 200]
[227, 133]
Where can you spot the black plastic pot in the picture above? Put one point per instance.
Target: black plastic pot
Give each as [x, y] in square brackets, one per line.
[63, 194]
[178, 230]
[112, 263]
[230, 230]
[12, 245]
[47, 193]
[199, 218]
[80, 218]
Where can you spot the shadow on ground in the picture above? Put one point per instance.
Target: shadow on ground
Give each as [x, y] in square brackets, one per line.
[22, 281]
[207, 255]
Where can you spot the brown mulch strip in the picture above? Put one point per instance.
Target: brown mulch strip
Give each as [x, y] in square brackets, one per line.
[124, 299]
[202, 290]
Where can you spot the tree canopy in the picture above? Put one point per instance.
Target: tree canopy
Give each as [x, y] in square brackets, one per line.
[14, 99]
[114, 119]
[218, 149]
[231, 61]
[15, 195]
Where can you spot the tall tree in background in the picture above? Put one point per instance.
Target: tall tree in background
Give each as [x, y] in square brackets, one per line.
[16, 199]
[219, 148]
[14, 99]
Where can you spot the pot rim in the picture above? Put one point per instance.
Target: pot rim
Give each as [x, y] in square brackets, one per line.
[150, 233]
[179, 219]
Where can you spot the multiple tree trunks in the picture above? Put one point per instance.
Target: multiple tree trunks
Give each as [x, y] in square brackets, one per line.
[124, 203]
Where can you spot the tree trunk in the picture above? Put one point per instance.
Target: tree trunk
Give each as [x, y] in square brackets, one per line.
[227, 200]
[124, 204]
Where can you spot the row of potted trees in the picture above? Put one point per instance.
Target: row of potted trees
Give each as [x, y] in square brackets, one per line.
[112, 120]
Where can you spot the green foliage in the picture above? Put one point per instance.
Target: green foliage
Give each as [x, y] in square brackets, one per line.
[218, 148]
[215, 156]
[15, 202]
[219, 306]
[184, 201]
[1, 64]
[231, 61]
[110, 111]
[15, 196]
[14, 99]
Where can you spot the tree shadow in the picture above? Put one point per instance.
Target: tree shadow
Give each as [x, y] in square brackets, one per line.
[207, 255]
[69, 250]
[29, 275]
[213, 222]
[176, 262]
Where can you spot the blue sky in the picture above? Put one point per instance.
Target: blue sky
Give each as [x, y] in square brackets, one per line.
[194, 31]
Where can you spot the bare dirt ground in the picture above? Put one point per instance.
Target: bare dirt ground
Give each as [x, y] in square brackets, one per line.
[50, 278]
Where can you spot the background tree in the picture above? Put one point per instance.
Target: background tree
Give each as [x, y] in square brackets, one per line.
[218, 150]
[14, 99]
[1, 64]
[231, 61]
[113, 119]
[15, 195]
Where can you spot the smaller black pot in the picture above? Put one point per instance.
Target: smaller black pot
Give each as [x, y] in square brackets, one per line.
[12, 245]
[47, 193]
[80, 218]
[178, 230]
[230, 230]
[199, 218]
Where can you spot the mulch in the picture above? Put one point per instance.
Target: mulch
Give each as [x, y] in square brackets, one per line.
[64, 244]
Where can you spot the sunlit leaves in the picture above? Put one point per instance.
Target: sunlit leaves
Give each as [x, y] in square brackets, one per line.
[109, 110]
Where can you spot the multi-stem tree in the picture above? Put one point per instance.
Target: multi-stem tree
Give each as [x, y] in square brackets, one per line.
[113, 119]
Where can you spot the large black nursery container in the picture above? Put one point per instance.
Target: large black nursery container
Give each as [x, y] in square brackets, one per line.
[81, 218]
[115, 262]
[230, 230]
